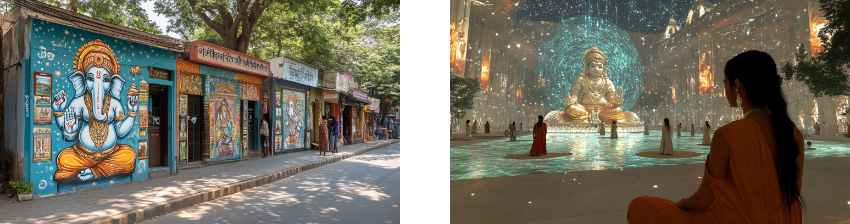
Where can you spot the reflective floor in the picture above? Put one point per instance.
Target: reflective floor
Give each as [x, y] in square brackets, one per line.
[590, 152]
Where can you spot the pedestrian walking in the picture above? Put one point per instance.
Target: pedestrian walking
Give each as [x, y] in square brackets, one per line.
[334, 135]
[323, 136]
[264, 130]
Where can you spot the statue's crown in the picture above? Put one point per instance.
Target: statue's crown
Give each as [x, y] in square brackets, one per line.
[96, 53]
[594, 54]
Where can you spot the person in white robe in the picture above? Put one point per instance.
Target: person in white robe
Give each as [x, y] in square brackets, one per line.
[666, 140]
[614, 130]
[601, 128]
[706, 134]
[468, 130]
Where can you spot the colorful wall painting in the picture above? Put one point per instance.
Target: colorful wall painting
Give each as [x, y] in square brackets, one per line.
[43, 84]
[224, 128]
[63, 59]
[41, 144]
[190, 83]
[143, 91]
[144, 115]
[251, 92]
[293, 119]
[143, 132]
[143, 149]
[224, 120]
[43, 115]
[97, 154]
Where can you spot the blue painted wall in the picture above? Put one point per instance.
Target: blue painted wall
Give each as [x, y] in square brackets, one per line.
[52, 50]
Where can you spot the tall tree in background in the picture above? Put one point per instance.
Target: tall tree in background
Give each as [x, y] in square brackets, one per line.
[374, 58]
[462, 96]
[826, 74]
[127, 13]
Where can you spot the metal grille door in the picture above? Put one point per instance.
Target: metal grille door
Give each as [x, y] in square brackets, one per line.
[195, 120]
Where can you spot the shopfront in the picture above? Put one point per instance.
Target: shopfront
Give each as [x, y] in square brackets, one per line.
[293, 111]
[79, 103]
[219, 104]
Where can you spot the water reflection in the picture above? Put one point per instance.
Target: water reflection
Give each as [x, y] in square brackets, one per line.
[591, 151]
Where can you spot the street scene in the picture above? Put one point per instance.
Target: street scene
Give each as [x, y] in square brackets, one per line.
[122, 112]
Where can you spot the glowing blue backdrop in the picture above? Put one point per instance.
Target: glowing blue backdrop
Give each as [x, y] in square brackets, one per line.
[561, 59]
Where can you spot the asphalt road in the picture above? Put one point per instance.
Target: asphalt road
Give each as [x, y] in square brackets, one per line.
[363, 189]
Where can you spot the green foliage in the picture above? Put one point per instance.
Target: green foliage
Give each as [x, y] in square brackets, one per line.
[354, 12]
[127, 13]
[21, 187]
[463, 92]
[822, 75]
[375, 57]
[311, 34]
[825, 75]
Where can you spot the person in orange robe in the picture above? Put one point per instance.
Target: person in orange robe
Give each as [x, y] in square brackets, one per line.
[538, 148]
[742, 182]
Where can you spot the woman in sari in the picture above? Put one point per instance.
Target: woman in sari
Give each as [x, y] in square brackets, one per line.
[706, 134]
[645, 129]
[601, 128]
[692, 129]
[323, 136]
[468, 130]
[754, 171]
[538, 148]
[475, 127]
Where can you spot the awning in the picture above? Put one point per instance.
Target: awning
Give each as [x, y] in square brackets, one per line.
[351, 99]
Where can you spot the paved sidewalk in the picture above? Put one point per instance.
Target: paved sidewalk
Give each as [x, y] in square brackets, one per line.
[139, 201]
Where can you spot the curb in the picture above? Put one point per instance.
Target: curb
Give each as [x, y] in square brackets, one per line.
[138, 215]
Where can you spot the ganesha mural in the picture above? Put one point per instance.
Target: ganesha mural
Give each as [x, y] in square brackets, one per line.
[94, 118]
[293, 119]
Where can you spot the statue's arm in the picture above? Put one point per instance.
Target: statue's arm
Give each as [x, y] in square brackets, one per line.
[123, 127]
[70, 121]
[611, 94]
[575, 91]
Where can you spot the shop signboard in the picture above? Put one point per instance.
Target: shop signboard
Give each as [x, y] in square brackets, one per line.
[359, 95]
[210, 54]
[375, 105]
[296, 71]
[329, 95]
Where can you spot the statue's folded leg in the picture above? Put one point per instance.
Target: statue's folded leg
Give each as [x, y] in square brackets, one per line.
[69, 164]
[611, 113]
[122, 160]
[575, 113]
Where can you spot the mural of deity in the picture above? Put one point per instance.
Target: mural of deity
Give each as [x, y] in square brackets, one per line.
[95, 118]
[224, 144]
[293, 120]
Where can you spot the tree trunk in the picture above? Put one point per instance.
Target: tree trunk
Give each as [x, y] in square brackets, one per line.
[72, 6]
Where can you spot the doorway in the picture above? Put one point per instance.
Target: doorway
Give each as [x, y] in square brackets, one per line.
[252, 134]
[158, 131]
[195, 123]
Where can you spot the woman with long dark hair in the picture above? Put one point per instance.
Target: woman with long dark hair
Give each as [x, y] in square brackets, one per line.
[538, 147]
[666, 139]
[754, 171]
[645, 129]
[468, 130]
[706, 134]
[512, 128]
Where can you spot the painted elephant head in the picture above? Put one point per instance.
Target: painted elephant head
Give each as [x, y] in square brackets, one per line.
[99, 83]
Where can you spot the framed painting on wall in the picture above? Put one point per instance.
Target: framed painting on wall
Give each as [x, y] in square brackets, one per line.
[143, 149]
[43, 84]
[41, 145]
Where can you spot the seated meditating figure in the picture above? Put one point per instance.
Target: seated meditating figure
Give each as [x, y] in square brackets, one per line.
[592, 96]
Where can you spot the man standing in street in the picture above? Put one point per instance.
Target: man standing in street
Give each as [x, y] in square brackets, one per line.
[264, 130]
[334, 135]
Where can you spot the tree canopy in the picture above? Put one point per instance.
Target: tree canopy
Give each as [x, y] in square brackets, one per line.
[127, 13]
[826, 74]
[463, 91]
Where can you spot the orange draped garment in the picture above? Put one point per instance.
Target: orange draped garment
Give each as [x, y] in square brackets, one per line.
[749, 193]
[70, 162]
[538, 148]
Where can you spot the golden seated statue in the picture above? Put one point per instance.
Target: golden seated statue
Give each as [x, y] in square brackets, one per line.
[592, 97]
